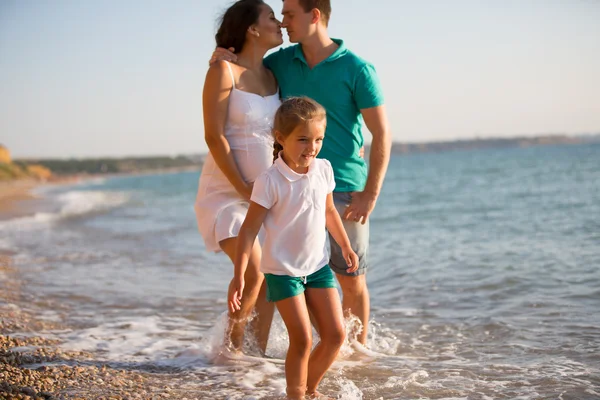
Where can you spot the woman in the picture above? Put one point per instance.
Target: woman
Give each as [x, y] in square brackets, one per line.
[239, 103]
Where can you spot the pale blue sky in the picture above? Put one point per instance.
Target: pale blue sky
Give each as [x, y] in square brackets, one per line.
[124, 77]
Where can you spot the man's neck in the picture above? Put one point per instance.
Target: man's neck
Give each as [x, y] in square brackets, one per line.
[318, 48]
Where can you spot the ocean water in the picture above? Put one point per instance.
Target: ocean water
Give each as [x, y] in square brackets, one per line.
[485, 280]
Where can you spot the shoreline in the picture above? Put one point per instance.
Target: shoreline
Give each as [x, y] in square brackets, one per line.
[33, 366]
[13, 197]
[18, 200]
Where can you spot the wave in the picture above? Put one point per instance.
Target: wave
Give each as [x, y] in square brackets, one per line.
[72, 204]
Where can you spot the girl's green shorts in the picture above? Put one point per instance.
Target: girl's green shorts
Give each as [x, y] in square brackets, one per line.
[281, 287]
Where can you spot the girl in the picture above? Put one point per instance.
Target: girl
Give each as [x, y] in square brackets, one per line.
[293, 199]
[239, 102]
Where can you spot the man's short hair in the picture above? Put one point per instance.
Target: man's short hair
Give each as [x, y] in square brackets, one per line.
[324, 6]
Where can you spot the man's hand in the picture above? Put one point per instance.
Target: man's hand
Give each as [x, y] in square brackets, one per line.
[234, 294]
[221, 54]
[360, 207]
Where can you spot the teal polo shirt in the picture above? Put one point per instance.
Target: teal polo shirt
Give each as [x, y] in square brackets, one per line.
[344, 84]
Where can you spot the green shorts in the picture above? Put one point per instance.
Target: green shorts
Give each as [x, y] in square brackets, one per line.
[281, 287]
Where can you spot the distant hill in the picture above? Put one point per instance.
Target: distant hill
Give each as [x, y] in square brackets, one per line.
[467, 144]
[10, 170]
[127, 165]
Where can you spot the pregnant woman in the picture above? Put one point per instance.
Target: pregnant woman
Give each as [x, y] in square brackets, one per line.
[239, 103]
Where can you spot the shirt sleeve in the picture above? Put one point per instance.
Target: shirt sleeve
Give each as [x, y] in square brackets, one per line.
[263, 192]
[329, 177]
[367, 88]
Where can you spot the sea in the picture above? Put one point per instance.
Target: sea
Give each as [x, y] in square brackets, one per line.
[484, 280]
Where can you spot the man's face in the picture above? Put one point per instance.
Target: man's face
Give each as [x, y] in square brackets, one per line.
[296, 21]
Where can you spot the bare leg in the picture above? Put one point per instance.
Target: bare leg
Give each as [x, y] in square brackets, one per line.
[254, 279]
[326, 309]
[295, 316]
[261, 325]
[356, 301]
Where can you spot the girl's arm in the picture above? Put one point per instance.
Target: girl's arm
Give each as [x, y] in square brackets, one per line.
[336, 229]
[246, 237]
[215, 103]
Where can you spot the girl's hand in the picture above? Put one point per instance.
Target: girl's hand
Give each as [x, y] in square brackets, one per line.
[351, 259]
[234, 294]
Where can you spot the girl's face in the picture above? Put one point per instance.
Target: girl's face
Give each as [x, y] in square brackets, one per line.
[302, 145]
[268, 28]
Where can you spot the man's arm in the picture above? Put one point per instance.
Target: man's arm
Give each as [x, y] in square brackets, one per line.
[379, 156]
[221, 54]
[363, 202]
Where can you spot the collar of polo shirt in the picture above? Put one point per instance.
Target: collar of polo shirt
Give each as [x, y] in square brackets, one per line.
[289, 173]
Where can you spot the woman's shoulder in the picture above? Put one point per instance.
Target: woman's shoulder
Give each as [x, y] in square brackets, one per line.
[219, 74]
[219, 67]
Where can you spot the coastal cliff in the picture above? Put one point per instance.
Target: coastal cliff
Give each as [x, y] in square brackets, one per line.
[10, 170]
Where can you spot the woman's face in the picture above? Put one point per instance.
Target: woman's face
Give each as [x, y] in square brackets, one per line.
[269, 28]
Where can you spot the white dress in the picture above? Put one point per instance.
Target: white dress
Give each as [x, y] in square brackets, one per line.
[220, 209]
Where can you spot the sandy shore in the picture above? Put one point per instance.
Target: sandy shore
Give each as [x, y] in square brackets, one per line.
[14, 196]
[32, 366]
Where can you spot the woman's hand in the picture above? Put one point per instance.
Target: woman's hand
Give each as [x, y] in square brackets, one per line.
[246, 191]
[234, 294]
[351, 259]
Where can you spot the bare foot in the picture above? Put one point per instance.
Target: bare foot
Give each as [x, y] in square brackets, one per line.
[226, 356]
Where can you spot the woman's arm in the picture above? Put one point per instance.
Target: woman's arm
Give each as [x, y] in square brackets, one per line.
[336, 229]
[245, 241]
[215, 103]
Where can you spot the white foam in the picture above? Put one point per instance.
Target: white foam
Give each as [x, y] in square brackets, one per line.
[84, 202]
[348, 389]
[414, 379]
[72, 204]
[150, 338]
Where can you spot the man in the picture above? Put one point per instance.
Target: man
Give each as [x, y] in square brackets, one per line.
[347, 86]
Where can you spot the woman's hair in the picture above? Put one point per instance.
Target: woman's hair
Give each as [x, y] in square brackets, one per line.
[293, 112]
[235, 23]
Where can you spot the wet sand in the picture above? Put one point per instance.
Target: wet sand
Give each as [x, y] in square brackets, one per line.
[35, 367]
[32, 366]
[14, 197]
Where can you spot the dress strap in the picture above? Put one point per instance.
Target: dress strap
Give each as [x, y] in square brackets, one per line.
[231, 73]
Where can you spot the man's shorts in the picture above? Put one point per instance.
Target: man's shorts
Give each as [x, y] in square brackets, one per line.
[358, 235]
[281, 287]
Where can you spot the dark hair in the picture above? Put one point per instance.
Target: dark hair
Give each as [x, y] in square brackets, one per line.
[324, 6]
[293, 112]
[235, 22]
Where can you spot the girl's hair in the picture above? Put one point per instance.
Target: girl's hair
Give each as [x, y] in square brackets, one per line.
[235, 23]
[293, 112]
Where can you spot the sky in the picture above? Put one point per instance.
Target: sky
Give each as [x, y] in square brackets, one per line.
[91, 78]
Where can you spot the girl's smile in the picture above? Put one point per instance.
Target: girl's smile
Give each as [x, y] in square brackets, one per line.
[302, 145]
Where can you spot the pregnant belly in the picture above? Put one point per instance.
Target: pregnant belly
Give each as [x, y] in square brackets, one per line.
[253, 161]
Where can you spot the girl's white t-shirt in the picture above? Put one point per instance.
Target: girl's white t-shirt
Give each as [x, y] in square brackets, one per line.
[296, 237]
